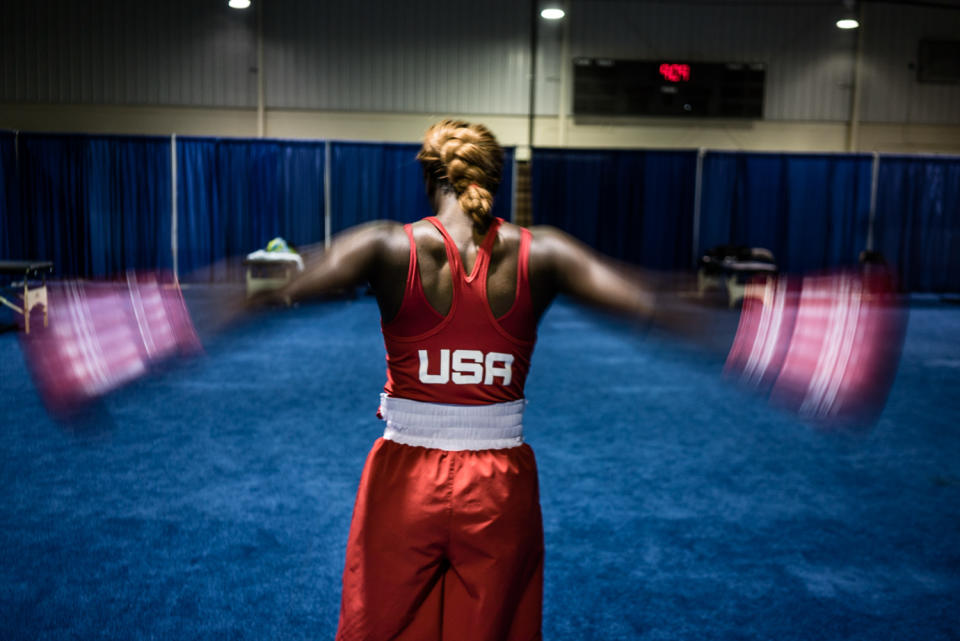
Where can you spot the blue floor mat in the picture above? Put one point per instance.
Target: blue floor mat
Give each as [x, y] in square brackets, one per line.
[212, 501]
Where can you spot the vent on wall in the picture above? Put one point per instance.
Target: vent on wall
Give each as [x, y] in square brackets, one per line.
[939, 61]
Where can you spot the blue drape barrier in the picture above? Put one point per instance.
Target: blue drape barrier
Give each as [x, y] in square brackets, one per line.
[8, 191]
[375, 181]
[94, 205]
[811, 210]
[917, 225]
[99, 205]
[636, 206]
[233, 196]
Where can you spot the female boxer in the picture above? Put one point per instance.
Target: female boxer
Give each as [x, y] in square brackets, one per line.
[446, 540]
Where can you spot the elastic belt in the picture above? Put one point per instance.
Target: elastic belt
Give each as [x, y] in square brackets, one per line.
[453, 427]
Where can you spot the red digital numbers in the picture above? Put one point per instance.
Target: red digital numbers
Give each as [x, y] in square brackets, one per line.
[675, 72]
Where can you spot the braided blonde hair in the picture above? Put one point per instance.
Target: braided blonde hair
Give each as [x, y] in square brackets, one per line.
[468, 158]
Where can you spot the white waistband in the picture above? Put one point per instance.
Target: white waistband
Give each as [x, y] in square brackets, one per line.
[453, 427]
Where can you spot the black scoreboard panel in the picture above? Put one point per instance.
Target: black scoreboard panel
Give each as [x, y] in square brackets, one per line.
[603, 87]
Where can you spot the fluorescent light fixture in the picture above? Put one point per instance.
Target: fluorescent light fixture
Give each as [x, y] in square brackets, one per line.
[847, 23]
[552, 13]
[238, 4]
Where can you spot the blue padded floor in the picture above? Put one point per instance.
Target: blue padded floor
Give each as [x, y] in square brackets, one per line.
[212, 501]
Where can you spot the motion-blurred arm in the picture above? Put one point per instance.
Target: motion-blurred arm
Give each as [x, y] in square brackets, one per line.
[355, 257]
[567, 266]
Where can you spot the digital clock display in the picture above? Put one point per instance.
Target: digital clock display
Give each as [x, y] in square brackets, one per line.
[609, 87]
[675, 72]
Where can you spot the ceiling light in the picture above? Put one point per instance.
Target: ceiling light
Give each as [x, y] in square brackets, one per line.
[238, 4]
[552, 14]
[847, 23]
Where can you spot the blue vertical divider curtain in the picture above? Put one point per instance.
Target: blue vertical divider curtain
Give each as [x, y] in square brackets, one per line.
[94, 205]
[917, 226]
[811, 210]
[99, 205]
[9, 209]
[635, 206]
[233, 196]
[376, 181]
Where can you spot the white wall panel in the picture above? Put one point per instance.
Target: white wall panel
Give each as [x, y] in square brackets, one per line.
[809, 61]
[176, 52]
[769, 135]
[424, 56]
[891, 92]
[438, 57]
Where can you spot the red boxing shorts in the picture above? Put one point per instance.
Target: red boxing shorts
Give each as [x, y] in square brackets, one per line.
[444, 545]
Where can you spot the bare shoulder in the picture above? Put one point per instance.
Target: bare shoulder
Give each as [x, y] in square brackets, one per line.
[509, 234]
[374, 232]
[558, 254]
[355, 255]
[428, 239]
[423, 231]
[550, 243]
[549, 234]
[383, 231]
[384, 239]
[390, 235]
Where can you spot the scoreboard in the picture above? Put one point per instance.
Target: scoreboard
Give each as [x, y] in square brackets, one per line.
[605, 87]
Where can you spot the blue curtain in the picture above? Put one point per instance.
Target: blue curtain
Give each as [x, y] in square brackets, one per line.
[917, 226]
[811, 210]
[635, 206]
[94, 205]
[8, 192]
[99, 205]
[377, 181]
[236, 195]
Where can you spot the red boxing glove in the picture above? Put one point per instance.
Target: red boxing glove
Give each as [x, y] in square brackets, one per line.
[102, 335]
[825, 346]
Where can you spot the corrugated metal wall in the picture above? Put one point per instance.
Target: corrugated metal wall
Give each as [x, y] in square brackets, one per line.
[175, 52]
[809, 61]
[411, 56]
[891, 92]
[430, 56]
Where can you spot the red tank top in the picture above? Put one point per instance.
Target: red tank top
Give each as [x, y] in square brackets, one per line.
[468, 357]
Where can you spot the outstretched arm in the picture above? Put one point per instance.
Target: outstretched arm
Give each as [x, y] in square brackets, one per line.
[357, 256]
[566, 266]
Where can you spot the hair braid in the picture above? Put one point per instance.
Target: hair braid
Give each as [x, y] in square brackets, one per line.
[468, 158]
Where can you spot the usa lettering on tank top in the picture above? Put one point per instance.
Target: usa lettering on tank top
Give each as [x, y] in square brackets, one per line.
[470, 367]
[468, 356]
